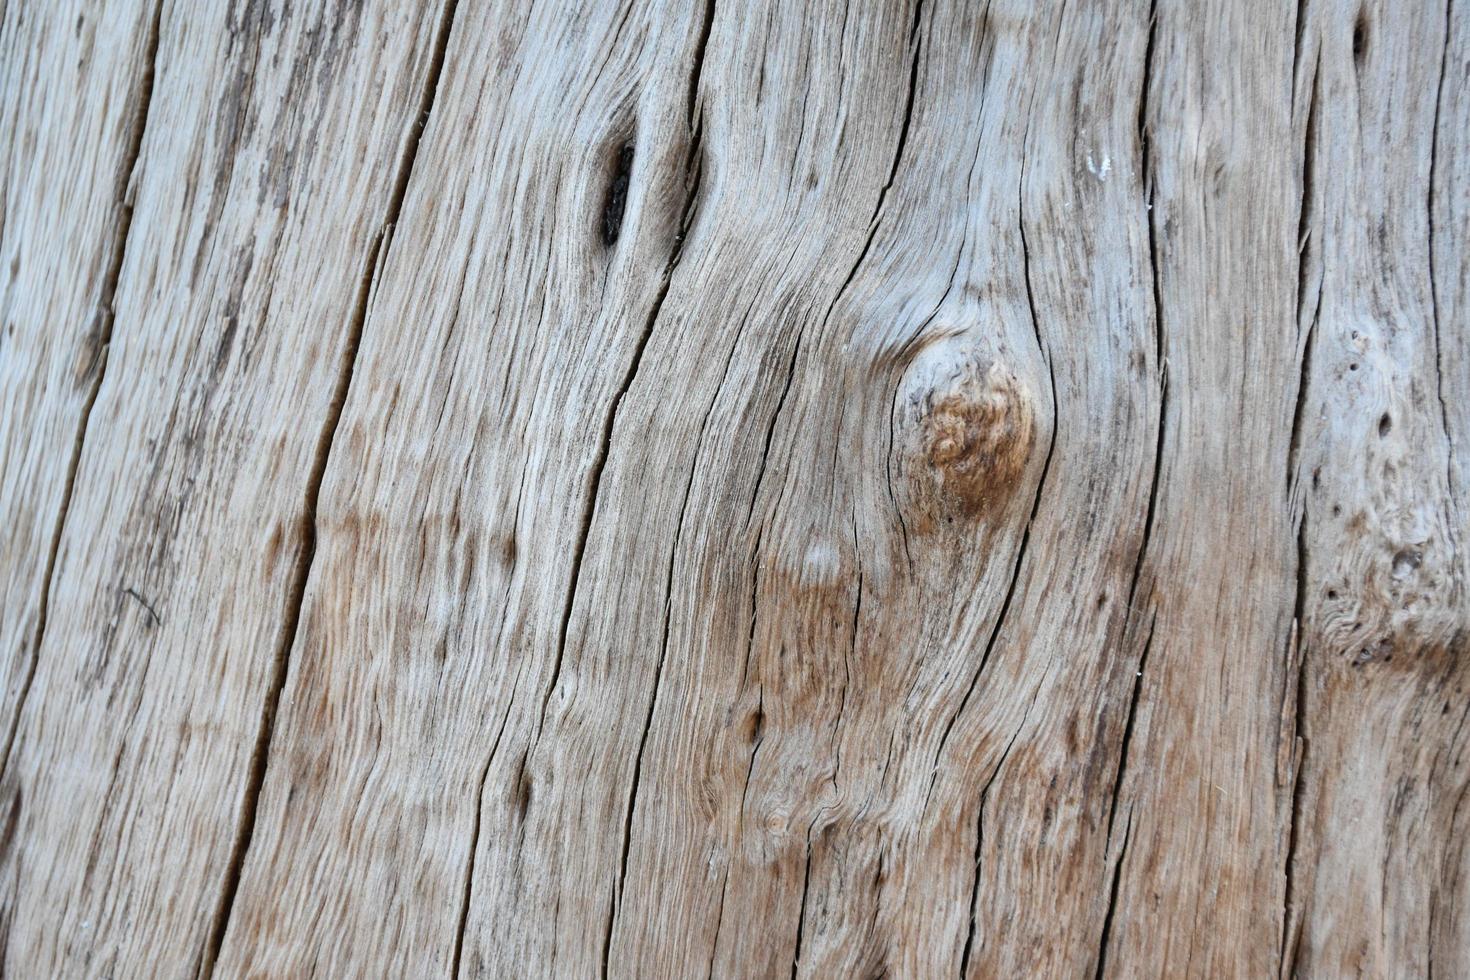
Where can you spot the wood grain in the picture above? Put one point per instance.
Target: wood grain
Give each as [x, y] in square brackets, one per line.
[789, 489]
[1383, 535]
[73, 93]
[188, 530]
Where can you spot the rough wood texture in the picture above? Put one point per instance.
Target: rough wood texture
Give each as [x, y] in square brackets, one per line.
[673, 488]
[73, 93]
[129, 787]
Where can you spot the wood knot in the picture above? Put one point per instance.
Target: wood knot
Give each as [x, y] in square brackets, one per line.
[1393, 605]
[975, 429]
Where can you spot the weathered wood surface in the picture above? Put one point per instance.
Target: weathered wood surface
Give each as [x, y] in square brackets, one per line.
[666, 488]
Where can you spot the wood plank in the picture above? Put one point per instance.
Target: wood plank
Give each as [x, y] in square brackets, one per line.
[1379, 881]
[74, 83]
[456, 505]
[894, 606]
[274, 156]
[1206, 795]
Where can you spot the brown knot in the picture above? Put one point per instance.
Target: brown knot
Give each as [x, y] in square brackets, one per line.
[975, 428]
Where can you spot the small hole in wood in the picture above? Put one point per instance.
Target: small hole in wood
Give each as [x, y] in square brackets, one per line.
[617, 196]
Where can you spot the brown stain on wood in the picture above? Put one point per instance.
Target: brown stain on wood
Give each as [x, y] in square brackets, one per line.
[978, 441]
[968, 441]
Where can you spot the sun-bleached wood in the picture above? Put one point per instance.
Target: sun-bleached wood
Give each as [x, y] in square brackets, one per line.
[128, 787]
[73, 92]
[800, 489]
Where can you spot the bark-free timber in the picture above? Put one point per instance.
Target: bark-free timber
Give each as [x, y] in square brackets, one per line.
[587, 488]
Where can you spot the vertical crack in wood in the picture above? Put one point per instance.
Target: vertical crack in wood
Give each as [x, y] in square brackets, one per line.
[692, 184]
[142, 100]
[1117, 793]
[980, 844]
[1305, 213]
[1138, 675]
[1151, 508]
[1290, 922]
[1429, 225]
[1130, 607]
[1107, 931]
[464, 907]
[916, 42]
[714, 948]
[851, 655]
[1160, 362]
[765, 456]
[806, 887]
[694, 159]
[1296, 49]
[697, 70]
[755, 583]
[1145, 150]
[1026, 274]
[297, 591]
[1145, 169]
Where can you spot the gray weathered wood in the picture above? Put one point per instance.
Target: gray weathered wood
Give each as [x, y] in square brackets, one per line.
[73, 93]
[671, 488]
[268, 171]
